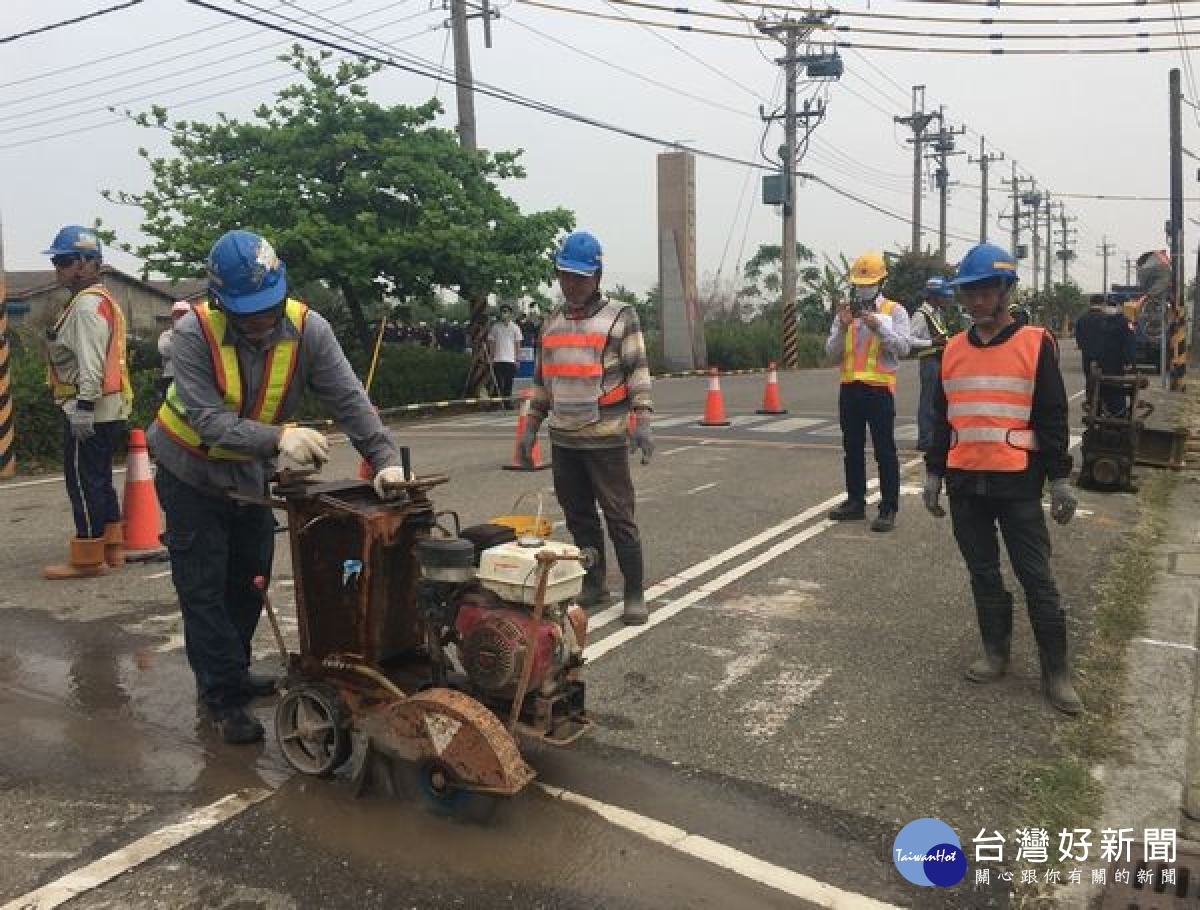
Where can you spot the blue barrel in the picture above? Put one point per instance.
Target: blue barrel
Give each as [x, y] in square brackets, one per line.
[525, 360]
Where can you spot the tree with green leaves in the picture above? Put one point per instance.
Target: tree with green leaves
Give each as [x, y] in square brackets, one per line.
[372, 201]
[907, 273]
[764, 282]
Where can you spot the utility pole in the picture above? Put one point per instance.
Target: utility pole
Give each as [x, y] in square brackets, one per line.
[790, 33]
[1032, 200]
[1065, 239]
[1049, 261]
[465, 88]
[1128, 271]
[1176, 230]
[985, 158]
[917, 121]
[1106, 249]
[1015, 186]
[943, 148]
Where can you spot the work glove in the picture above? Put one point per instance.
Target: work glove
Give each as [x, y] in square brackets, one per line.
[387, 482]
[83, 424]
[930, 493]
[641, 437]
[304, 446]
[1062, 500]
[526, 442]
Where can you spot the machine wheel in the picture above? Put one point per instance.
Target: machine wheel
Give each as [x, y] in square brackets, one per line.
[313, 731]
[439, 790]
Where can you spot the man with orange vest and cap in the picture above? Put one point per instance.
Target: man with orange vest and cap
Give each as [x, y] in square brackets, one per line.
[243, 362]
[592, 379]
[869, 335]
[89, 380]
[1000, 433]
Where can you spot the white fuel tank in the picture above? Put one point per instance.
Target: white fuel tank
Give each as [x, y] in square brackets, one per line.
[510, 571]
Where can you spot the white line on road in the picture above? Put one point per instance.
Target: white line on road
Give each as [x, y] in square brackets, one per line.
[1167, 644]
[42, 481]
[702, 848]
[105, 869]
[675, 451]
[700, 489]
[789, 423]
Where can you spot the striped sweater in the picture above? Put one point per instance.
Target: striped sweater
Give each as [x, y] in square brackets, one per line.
[624, 360]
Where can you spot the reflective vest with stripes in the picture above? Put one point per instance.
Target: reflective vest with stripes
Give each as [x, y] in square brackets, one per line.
[116, 369]
[989, 399]
[937, 326]
[280, 369]
[573, 366]
[863, 357]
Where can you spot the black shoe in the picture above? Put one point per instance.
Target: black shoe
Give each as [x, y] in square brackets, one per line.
[238, 727]
[261, 684]
[886, 520]
[594, 597]
[850, 510]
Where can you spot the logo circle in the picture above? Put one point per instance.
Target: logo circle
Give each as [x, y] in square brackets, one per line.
[927, 852]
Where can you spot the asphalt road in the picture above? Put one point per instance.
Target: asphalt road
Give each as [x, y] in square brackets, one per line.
[796, 699]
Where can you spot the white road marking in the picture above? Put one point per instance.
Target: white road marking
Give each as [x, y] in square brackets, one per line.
[41, 481]
[157, 575]
[660, 422]
[788, 424]
[787, 690]
[1167, 644]
[746, 420]
[676, 451]
[105, 869]
[700, 489]
[749, 867]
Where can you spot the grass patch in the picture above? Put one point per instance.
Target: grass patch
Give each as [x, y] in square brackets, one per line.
[1062, 794]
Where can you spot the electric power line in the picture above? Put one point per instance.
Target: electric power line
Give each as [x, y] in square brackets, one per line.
[65, 22]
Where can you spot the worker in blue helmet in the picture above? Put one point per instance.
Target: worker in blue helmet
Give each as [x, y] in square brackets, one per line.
[1000, 433]
[928, 335]
[89, 379]
[590, 378]
[243, 361]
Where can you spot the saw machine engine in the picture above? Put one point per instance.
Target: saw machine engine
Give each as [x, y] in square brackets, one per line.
[481, 606]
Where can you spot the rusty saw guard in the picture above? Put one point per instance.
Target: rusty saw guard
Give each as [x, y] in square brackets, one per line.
[454, 730]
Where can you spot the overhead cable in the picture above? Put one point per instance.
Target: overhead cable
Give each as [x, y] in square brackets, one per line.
[65, 22]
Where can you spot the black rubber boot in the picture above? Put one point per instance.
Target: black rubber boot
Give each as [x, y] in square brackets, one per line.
[239, 727]
[630, 561]
[1056, 669]
[995, 627]
[849, 510]
[595, 587]
[260, 685]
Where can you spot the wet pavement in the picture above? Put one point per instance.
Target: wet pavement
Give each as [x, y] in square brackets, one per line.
[797, 715]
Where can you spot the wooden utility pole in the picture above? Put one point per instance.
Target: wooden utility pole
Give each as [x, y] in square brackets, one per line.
[917, 121]
[465, 82]
[1106, 249]
[985, 158]
[943, 148]
[1065, 239]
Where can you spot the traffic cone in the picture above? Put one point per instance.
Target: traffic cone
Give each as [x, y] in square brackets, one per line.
[522, 417]
[141, 521]
[714, 404]
[771, 403]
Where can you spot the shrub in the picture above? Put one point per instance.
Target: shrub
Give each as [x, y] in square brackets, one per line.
[747, 346]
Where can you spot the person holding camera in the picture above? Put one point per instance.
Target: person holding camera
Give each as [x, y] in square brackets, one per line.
[869, 335]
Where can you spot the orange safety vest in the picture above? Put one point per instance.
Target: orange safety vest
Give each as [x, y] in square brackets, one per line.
[267, 406]
[989, 399]
[573, 366]
[863, 357]
[116, 369]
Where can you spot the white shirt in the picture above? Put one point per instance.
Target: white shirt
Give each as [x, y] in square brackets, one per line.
[504, 340]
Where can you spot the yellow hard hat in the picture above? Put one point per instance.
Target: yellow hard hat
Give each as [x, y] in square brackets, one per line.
[868, 269]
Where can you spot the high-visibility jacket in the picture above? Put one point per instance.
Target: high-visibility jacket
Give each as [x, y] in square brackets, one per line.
[573, 367]
[989, 399]
[937, 325]
[116, 368]
[863, 357]
[267, 405]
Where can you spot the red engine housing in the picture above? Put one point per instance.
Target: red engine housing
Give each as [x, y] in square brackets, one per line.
[493, 647]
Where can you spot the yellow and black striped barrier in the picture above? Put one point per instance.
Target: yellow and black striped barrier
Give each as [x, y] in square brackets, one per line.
[8, 460]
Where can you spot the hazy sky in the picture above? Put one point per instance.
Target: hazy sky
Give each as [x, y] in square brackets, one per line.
[1078, 124]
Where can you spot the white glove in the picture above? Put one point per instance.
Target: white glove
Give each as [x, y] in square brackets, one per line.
[83, 424]
[930, 492]
[387, 482]
[304, 446]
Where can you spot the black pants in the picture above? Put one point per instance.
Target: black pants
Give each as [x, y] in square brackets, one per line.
[505, 372]
[1023, 527]
[930, 366]
[585, 478]
[861, 406]
[87, 468]
[217, 549]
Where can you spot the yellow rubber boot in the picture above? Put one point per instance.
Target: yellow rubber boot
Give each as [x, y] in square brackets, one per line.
[114, 544]
[86, 560]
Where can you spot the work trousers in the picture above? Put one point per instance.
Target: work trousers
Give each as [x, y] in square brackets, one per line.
[585, 478]
[930, 367]
[505, 372]
[87, 469]
[1023, 526]
[861, 406]
[217, 548]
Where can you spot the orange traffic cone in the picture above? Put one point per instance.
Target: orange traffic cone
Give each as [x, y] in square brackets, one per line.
[714, 404]
[771, 403]
[522, 417]
[141, 523]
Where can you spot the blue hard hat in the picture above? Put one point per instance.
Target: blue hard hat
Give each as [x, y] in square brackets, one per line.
[244, 274]
[75, 238]
[937, 286]
[984, 261]
[580, 253]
